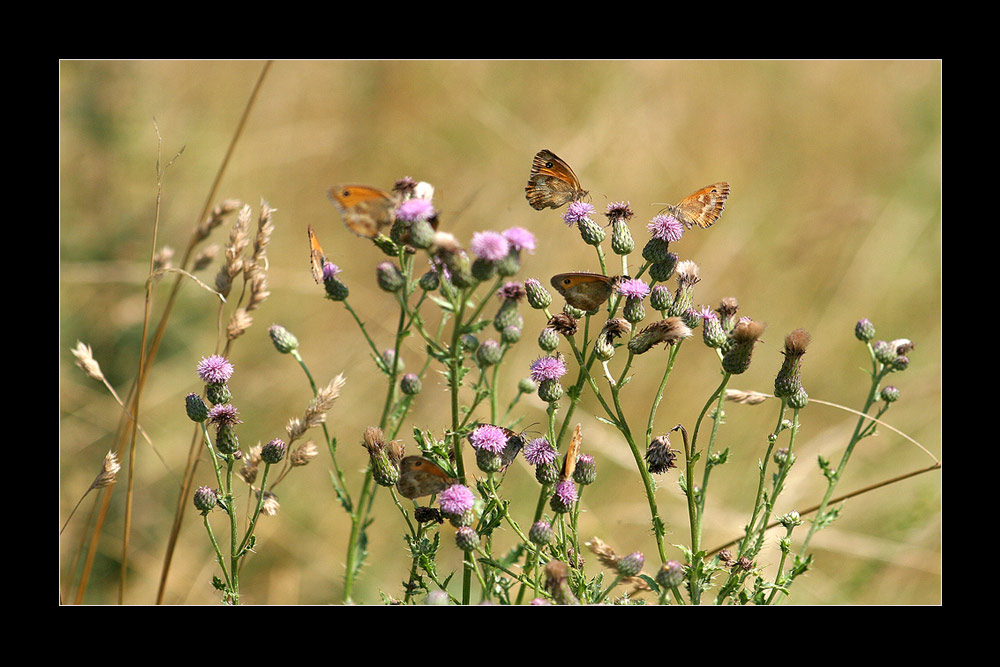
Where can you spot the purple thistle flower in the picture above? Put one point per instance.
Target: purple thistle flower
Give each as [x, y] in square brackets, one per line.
[539, 451]
[215, 369]
[666, 227]
[633, 288]
[412, 210]
[619, 211]
[520, 238]
[330, 270]
[548, 368]
[456, 500]
[491, 438]
[491, 246]
[708, 314]
[566, 490]
[225, 414]
[511, 290]
[577, 211]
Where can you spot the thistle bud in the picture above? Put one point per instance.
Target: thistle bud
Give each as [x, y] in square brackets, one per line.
[789, 380]
[410, 384]
[390, 278]
[284, 341]
[736, 358]
[205, 499]
[197, 411]
[622, 242]
[864, 330]
[538, 296]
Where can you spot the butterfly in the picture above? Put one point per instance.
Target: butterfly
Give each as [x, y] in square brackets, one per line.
[419, 477]
[572, 454]
[586, 291]
[316, 257]
[552, 182]
[365, 210]
[703, 207]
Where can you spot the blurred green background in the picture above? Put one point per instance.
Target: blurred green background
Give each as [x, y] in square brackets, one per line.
[835, 215]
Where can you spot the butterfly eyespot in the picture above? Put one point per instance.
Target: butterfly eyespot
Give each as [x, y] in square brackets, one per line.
[549, 164]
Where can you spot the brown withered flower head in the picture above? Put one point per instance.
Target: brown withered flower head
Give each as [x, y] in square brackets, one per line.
[564, 323]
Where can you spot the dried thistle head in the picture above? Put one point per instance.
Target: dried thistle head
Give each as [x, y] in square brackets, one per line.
[271, 505]
[251, 463]
[616, 328]
[564, 323]
[303, 454]
[609, 559]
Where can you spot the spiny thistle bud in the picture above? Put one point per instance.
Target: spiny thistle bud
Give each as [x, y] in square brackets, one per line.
[687, 278]
[225, 439]
[390, 278]
[483, 269]
[430, 281]
[335, 289]
[284, 341]
[410, 384]
[889, 394]
[488, 461]
[712, 333]
[660, 297]
[197, 411]
[205, 499]
[591, 232]
[550, 391]
[631, 565]
[510, 334]
[656, 250]
[548, 340]
[622, 242]
[575, 313]
[671, 574]
[489, 353]
[604, 349]
[789, 380]
[383, 461]
[469, 342]
[663, 270]
[538, 296]
[669, 330]
[739, 348]
[273, 451]
[389, 359]
[546, 473]
[218, 393]
[386, 245]
[466, 538]
[585, 471]
[508, 316]
[527, 386]
[541, 533]
[421, 233]
[634, 311]
[864, 330]
[659, 457]
[799, 399]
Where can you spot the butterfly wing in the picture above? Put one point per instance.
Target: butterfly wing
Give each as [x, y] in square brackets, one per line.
[552, 183]
[703, 207]
[365, 210]
[316, 257]
[572, 454]
[586, 291]
[419, 477]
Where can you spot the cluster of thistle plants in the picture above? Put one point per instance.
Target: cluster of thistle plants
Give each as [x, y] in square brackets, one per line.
[466, 306]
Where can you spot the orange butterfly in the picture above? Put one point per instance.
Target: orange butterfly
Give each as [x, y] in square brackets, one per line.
[552, 182]
[703, 207]
[586, 291]
[366, 210]
[419, 477]
[316, 257]
[572, 454]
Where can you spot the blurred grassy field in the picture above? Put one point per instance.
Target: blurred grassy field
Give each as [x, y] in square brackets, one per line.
[835, 214]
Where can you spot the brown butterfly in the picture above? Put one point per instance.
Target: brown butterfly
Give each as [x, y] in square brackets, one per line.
[515, 443]
[703, 207]
[586, 291]
[365, 210]
[316, 257]
[572, 454]
[419, 477]
[552, 182]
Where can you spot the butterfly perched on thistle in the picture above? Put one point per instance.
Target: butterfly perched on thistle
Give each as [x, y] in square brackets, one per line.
[551, 183]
